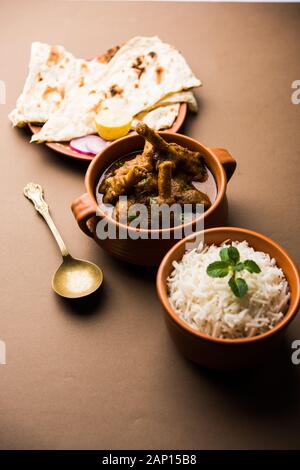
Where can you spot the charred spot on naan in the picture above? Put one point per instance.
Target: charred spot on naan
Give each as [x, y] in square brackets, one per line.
[138, 66]
[54, 55]
[139, 71]
[108, 55]
[39, 77]
[115, 90]
[81, 81]
[49, 90]
[96, 107]
[105, 95]
[139, 60]
[152, 54]
[84, 67]
[159, 72]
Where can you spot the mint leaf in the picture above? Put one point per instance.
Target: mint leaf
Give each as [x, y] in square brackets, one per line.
[251, 266]
[233, 254]
[230, 263]
[242, 286]
[238, 286]
[239, 267]
[224, 255]
[233, 286]
[218, 269]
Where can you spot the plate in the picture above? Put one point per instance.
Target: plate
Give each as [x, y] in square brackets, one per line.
[65, 149]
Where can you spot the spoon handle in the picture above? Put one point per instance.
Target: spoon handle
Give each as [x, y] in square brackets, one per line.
[34, 192]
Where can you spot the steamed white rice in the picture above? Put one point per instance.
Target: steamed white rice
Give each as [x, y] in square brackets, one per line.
[208, 304]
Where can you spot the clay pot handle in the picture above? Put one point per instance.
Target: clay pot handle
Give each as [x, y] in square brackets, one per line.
[83, 209]
[226, 160]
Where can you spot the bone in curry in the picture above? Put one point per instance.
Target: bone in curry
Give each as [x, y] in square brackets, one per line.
[163, 173]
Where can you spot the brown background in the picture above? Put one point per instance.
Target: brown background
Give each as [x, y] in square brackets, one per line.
[103, 373]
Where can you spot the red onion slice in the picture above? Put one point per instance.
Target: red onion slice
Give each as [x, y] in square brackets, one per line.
[80, 146]
[95, 144]
[89, 145]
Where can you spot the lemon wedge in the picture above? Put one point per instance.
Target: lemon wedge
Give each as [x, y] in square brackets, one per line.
[113, 125]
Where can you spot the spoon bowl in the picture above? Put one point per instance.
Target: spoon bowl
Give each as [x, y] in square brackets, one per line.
[76, 278]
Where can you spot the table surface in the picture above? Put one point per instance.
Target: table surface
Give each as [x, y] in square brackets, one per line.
[103, 373]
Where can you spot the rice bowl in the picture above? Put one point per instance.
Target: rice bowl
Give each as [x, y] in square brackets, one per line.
[226, 353]
[208, 304]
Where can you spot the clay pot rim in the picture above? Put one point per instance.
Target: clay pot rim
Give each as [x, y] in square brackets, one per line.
[221, 188]
[163, 297]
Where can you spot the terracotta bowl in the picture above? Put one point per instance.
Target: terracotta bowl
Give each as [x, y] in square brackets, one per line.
[226, 353]
[149, 251]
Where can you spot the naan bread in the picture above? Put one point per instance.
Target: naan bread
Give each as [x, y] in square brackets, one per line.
[158, 118]
[181, 97]
[142, 73]
[164, 113]
[53, 73]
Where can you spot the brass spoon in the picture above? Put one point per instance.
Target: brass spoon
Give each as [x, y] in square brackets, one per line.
[75, 277]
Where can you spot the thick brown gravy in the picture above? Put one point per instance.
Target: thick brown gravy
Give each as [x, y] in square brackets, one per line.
[209, 186]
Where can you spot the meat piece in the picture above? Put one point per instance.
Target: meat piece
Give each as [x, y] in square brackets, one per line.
[165, 179]
[158, 143]
[180, 183]
[146, 187]
[123, 179]
[193, 196]
[191, 162]
[121, 184]
[142, 161]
